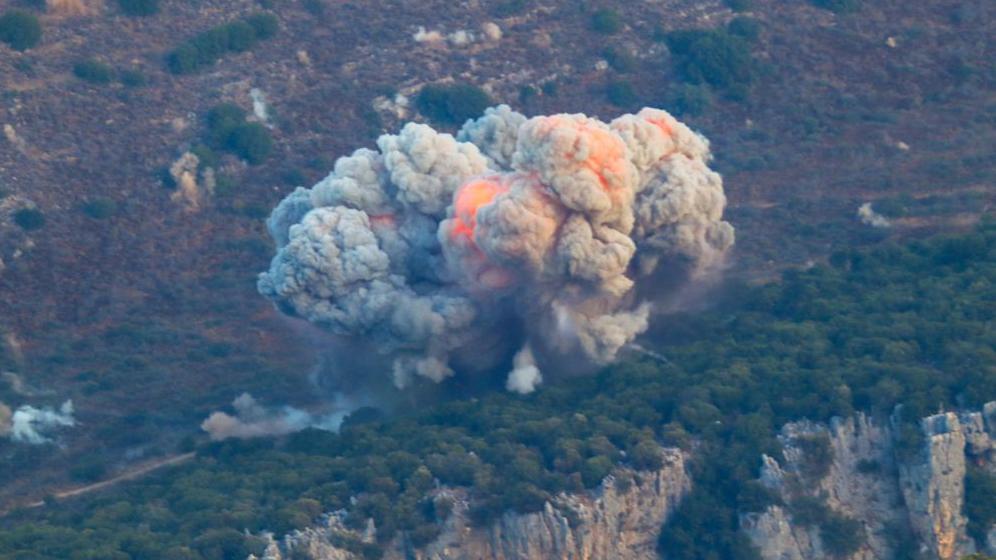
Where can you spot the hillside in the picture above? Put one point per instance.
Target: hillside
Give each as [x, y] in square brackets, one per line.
[136, 299]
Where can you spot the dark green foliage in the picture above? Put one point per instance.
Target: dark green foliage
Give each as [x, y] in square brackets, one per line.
[980, 502]
[740, 5]
[690, 99]
[139, 7]
[100, 208]
[507, 8]
[93, 71]
[715, 57]
[838, 6]
[20, 30]
[620, 60]
[228, 130]
[452, 104]
[606, 21]
[207, 47]
[821, 342]
[88, 470]
[132, 78]
[251, 142]
[29, 219]
[621, 94]
[745, 27]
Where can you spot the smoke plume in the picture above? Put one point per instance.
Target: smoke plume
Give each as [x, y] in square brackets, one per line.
[251, 420]
[451, 254]
[869, 216]
[33, 425]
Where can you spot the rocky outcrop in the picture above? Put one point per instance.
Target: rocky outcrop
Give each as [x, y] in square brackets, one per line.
[620, 520]
[898, 498]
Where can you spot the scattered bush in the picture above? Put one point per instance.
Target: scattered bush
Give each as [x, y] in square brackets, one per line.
[620, 60]
[29, 219]
[209, 46]
[745, 27]
[717, 57]
[452, 104]
[139, 7]
[838, 6]
[690, 99]
[980, 502]
[606, 22]
[621, 94]
[817, 455]
[20, 30]
[93, 71]
[132, 78]
[228, 130]
[100, 208]
[740, 5]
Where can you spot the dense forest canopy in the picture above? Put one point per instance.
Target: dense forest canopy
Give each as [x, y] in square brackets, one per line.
[900, 324]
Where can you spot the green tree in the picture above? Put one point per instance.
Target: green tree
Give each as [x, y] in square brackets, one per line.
[139, 7]
[20, 29]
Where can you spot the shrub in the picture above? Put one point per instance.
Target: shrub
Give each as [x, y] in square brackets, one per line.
[745, 27]
[838, 6]
[621, 94]
[606, 21]
[29, 219]
[139, 7]
[100, 208]
[620, 60]
[817, 455]
[980, 502]
[452, 104]
[93, 71]
[690, 99]
[132, 78]
[740, 5]
[20, 30]
[251, 142]
[715, 57]
[208, 46]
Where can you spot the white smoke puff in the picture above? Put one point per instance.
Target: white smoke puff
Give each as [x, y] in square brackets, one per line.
[251, 420]
[5, 420]
[491, 31]
[449, 253]
[460, 38]
[289, 212]
[495, 133]
[423, 36]
[357, 182]
[525, 376]
[428, 166]
[602, 336]
[872, 218]
[32, 425]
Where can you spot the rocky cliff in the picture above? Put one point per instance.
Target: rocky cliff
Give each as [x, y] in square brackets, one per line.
[621, 519]
[856, 488]
[887, 491]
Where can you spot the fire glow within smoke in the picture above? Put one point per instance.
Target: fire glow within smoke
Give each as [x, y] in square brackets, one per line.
[518, 237]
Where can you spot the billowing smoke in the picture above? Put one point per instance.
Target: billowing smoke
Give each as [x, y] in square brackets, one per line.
[869, 216]
[252, 419]
[542, 234]
[34, 425]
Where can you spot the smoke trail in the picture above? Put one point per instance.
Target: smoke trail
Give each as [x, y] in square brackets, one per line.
[254, 420]
[32, 425]
[450, 253]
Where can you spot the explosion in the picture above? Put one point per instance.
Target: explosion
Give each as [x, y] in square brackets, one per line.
[531, 238]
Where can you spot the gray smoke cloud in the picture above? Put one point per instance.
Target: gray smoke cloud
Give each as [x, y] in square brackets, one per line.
[34, 425]
[869, 216]
[252, 419]
[450, 253]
